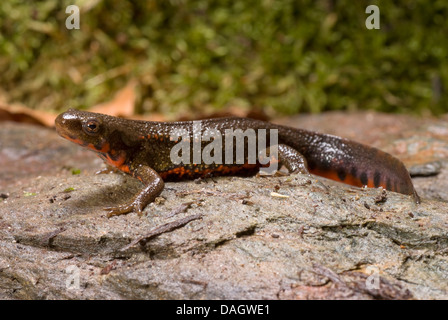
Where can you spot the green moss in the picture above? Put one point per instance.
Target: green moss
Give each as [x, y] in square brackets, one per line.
[200, 55]
[75, 171]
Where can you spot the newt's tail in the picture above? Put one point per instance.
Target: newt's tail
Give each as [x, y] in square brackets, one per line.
[350, 162]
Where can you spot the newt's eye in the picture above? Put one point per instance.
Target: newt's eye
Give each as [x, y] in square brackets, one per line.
[91, 126]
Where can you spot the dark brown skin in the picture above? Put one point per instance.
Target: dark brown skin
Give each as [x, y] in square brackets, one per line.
[142, 149]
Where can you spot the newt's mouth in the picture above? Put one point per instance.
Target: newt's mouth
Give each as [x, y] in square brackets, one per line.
[64, 134]
[72, 139]
[60, 131]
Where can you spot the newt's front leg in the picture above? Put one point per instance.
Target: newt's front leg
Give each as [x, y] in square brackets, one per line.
[153, 187]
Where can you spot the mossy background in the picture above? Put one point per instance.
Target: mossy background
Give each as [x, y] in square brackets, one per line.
[200, 56]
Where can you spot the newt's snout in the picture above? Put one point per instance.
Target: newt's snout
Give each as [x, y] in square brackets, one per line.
[68, 121]
[61, 124]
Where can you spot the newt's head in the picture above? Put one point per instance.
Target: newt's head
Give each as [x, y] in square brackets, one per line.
[103, 134]
[84, 128]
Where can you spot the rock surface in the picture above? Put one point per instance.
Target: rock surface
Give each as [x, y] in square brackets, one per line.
[291, 237]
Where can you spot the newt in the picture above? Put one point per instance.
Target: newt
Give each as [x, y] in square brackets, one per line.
[142, 149]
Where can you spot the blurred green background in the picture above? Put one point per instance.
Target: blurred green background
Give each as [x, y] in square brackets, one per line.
[201, 56]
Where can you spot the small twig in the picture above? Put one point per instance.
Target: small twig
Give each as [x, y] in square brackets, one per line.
[109, 74]
[180, 209]
[49, 237]
[333, 276]
[107, 269]
[381, 197]
[167, 227]
[228, 195]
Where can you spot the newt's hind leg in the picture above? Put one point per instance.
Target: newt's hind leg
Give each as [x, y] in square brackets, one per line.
[292, 159]
[283, 154]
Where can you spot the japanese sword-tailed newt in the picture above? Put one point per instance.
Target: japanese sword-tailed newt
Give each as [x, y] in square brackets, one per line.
[143, 150]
